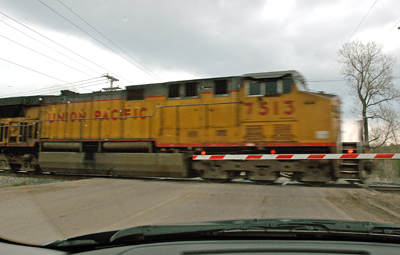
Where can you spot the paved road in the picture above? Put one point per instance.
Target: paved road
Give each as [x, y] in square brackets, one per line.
[40, 213]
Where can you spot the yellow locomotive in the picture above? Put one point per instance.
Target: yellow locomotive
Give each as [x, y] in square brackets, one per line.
[153, 130]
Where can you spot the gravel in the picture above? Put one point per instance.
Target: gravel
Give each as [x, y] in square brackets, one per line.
[384, 184]
[7, 181]
[366, 204]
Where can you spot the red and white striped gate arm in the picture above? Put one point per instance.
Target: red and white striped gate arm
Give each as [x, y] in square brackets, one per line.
[297, 156]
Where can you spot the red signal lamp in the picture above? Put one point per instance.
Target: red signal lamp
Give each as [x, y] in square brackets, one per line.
[273, 151]
[350, 151]
[203, 153]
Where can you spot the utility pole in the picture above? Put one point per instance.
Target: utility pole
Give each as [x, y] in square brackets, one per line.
[112, 79]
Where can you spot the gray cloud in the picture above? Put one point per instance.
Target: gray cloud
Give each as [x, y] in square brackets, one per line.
[219, 38]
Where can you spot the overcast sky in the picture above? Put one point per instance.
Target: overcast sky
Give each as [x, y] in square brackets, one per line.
[49, 45]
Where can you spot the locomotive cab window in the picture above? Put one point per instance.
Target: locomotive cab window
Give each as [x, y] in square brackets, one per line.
[174, 90]
[287, 85]
[277, 87]
[135, 94]
[269, 87]
[273, 88]
[256, 89]
[191, 89]
[221, 87]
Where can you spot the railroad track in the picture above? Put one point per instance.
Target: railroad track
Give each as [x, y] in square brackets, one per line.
[393, 188]
[43, 175]
[386, 188]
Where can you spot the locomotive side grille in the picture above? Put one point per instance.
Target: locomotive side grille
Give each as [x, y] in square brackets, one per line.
[192, 134]
[283, 132]
[254, 133]
[222, 132]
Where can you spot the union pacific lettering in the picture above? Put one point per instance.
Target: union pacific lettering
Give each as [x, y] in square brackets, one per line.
[114, 114]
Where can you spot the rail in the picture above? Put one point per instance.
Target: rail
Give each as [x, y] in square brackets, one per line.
[385, 187]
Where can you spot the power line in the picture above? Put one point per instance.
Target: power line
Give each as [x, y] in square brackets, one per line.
[348, 41]
[141, 65]
[91, 85]
[130, 33]
[333, 80]
[87, 82]
[73, 84]
[32, 70]
[95, 38]
[55, 90]
[61, 45]
[38, 90]
[362, 20]
[395, 25]
[48, 46]
[339, 79]
[44, 55]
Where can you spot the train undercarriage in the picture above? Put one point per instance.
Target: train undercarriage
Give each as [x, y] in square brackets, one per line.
[142, 159]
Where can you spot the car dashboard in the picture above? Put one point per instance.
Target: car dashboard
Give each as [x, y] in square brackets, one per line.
[228, 247]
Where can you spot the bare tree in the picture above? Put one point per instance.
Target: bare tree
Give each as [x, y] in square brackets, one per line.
[368, 73]
[384, 127]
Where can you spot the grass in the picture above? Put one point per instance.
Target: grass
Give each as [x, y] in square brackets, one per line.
[386, 171]
[19, 184]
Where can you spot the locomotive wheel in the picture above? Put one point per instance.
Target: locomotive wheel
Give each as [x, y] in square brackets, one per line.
[212, 171]
[15, 167]
[314, 173]
[216, 175]
[3, 166]
[265, 182]
[362, 173]
[315, 184]
[217, 180]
